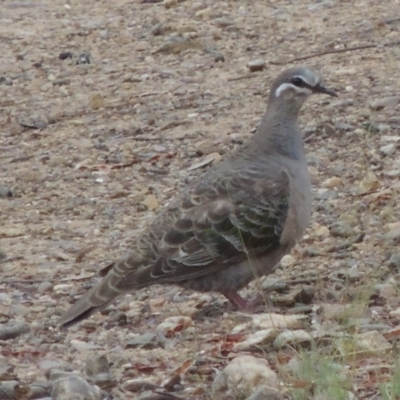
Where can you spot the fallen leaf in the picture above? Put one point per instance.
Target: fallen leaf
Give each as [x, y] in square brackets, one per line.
[208, 159]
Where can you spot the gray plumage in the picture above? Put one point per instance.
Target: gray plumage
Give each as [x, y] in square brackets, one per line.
[232, 225]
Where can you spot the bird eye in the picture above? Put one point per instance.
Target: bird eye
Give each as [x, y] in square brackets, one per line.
[297, 81]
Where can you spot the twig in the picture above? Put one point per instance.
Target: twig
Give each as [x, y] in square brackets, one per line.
[20, 159]
[158, 93]
[172, 124]
[336, 51]
[337, 247]
[32, 281]
[343, 246]
[8, 259]
[239, 78]
[152, 94]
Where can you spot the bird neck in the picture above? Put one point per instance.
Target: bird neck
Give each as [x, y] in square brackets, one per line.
[278, 131]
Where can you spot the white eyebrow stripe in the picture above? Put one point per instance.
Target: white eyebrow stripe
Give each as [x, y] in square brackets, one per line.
[286, 86]
[315, 80]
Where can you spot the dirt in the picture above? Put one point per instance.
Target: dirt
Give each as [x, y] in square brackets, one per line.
[102, 115]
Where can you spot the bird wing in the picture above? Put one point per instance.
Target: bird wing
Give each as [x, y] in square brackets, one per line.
[221, 221]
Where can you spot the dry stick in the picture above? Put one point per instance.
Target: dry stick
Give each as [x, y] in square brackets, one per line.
[239, 78]
[20, 282]
[33, 281]
[9, 259]
[323, 53]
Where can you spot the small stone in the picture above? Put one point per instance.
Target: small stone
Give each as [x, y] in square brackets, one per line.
[158, 29]
[326, 194]
[5, 192]
[65, 55]
[145, 341]
[256, 65]
[151, 202]
[208, 159]
[393, 235]
[5, 80]
[392, 226]
[389, 138]
[388, 150]
[186, 28]
[370, 343]
[61, 82]
[291, 338]
[271, 284]
[277, 321]
[84, 58]
[394, 261]
[216, 34]
[93, 24]
[342, 126]
[170, 3]
[57, 373]
[13, 329]
[44, 287]
[49, 364]
[56, 161]
[242, 377]
[97, 101]
[331, 183]
[321, 231]
[8, 389]
[39, 390]
[172, 325]
[259, 338]
[266, 393]
[177, 44]
[97, 364]
[80, 345]
[104, 34]
[75, 387]
[288, 260]
[385, 102]
[204, 13]
[138, 385]
[342, 229]
[395, 313]
[386, 290]
[34, 121]
[369, 183]
[304, 295]
[224, 22]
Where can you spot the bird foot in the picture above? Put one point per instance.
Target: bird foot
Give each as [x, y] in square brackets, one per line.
[256, 305]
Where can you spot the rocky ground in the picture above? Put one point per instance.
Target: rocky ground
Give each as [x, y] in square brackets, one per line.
[107, 108]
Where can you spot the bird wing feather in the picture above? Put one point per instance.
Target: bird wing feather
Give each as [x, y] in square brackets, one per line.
[219, 222]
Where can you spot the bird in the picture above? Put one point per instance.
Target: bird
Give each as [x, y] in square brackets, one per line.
[235, 222]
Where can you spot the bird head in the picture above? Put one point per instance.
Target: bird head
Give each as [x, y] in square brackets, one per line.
[294, 85]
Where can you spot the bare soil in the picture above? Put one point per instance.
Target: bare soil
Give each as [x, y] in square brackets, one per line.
[91, 151]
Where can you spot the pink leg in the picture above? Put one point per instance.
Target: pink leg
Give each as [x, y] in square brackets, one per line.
[258, 304]
[237, 300]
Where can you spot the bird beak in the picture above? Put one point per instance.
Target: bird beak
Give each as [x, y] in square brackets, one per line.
[322, 89]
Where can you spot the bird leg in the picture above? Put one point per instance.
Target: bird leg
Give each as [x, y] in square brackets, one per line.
[255, 305]
[237, 300]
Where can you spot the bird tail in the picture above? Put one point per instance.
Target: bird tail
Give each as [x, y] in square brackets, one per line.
[95, 300]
